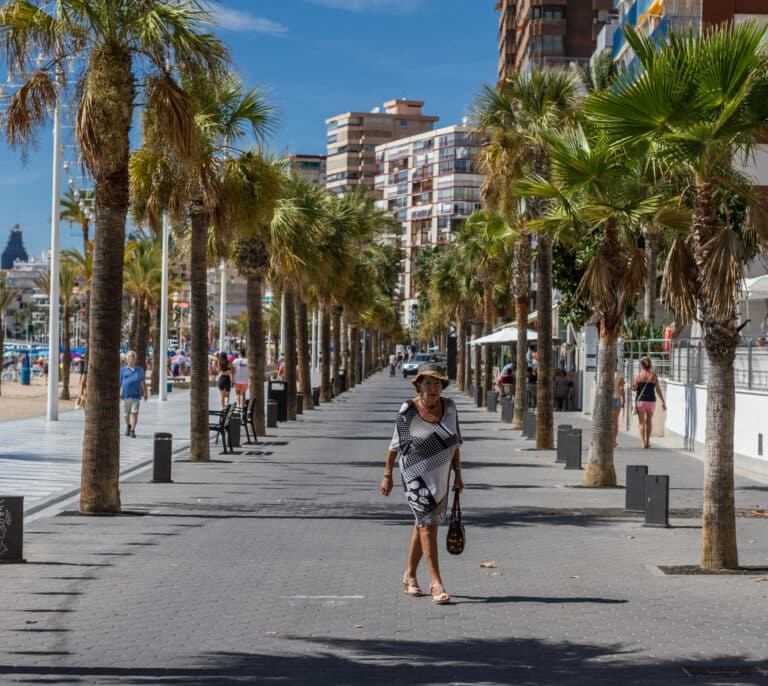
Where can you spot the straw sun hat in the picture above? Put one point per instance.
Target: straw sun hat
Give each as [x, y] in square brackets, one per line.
[430, 369]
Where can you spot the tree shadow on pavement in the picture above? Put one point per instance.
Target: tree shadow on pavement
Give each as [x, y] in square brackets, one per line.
[351, 662]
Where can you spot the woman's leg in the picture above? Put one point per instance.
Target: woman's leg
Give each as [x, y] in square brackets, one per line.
[641, 422]
[648, 427]
[428, 536]
[414, 553]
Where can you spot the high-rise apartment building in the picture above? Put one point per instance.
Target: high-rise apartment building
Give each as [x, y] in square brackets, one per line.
[311, 167]
[548, 32]
[431, 184]
[353, 137]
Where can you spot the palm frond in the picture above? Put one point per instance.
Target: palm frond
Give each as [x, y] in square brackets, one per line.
[678, 284]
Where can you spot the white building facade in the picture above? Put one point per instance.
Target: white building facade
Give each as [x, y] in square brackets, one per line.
[431, 184]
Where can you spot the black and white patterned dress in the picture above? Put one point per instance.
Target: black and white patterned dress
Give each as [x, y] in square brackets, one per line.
[425, 452]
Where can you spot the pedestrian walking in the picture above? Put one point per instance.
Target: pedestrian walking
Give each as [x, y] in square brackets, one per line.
[240, 369]
[618, 403]
[646, 386]
[80, 402]
[132, 390]
[224, 379]
[427, 439]
[392, 363]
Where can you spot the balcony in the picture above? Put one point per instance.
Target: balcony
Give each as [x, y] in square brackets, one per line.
[605, 38]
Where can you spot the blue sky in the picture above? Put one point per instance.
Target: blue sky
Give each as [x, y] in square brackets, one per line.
[315, 58]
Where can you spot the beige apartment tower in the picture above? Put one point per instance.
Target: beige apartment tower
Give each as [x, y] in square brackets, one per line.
[353, 137]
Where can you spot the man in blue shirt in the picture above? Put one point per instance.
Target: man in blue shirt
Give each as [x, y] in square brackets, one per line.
[132, 390]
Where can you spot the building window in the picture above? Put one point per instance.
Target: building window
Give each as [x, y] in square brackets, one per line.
[333, 138]
[403, 123]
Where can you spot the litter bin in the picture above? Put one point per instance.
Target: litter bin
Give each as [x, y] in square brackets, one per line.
[26, 370]
[299, 403]
[278, 391]
[271, 414]
[169, 386]
[11, 529]
[161, 458]
[234, 431]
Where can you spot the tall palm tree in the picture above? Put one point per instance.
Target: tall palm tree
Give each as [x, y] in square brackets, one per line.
[597, 200]
[525, 108]
[126, 44]
[697, 105]
[7, 296]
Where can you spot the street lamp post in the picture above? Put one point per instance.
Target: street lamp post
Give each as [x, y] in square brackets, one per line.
[53, 312]
[223, 309]
[161, 356]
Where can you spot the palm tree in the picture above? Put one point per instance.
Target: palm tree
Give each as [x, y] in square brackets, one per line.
[524, 109]
[597, 199]
[127, 44]
[696, 106]
[7, 296]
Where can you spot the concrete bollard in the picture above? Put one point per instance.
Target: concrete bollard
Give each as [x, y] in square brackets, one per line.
[316, 395]
[490, 401]
[162, 450]
[656, 500]
[573, 449]
[507, 410]
[272, 414]
[529, 425]
[634, 498]
[562, 431]
[11, 529]
[479, 396]
[299, 403]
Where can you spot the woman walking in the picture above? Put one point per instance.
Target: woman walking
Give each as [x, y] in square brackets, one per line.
[224, 382]
[646, 387]
[427, 438]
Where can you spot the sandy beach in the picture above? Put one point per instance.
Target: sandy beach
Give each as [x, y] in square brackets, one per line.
[19, 401]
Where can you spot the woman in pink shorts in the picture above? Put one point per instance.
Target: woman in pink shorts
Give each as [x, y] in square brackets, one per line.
[646, 387]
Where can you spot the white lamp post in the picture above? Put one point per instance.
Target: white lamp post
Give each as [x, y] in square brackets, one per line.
[53, 312]
[223, 347]
[161, 357]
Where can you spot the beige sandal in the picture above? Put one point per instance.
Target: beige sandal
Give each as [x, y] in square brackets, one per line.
[440, 598]
[411, 587]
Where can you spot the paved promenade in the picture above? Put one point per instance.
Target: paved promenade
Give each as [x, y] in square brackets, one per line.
[281, 564]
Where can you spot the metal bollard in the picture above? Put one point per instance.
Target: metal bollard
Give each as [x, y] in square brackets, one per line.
[299, 403]
[316, 395]
[272, 414]
[11, 529]
[634, 498]
[656, 500]
[490, 401]
[573, 449]
[479, 396]
[529, 425]
[234, 431]
[162, 450]
[507, 410]
[562, 431]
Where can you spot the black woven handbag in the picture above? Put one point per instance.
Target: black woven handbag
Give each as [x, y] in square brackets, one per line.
[457, 537]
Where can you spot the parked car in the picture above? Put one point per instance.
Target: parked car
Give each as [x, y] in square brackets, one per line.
[410, 367]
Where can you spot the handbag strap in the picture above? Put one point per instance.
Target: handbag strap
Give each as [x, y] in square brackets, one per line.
[456, 509]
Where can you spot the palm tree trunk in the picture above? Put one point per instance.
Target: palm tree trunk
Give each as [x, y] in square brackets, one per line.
[651, 261]
[489, 319]
[600, 472]
[159, 357]
[719, 548]
[522, 304]
[302, 347]
[256, 368]
[67, 357]
[461, 337]
[198, 395]
[142, 334]
[467, 360]
[100, 476]
[337, 353]
[290, 350]
[133, 331]
[545, 435]
[477, 362]
[326, 390]
[354, 359]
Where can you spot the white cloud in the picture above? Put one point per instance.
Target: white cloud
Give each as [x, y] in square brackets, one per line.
[389, 6]
[235, 20]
